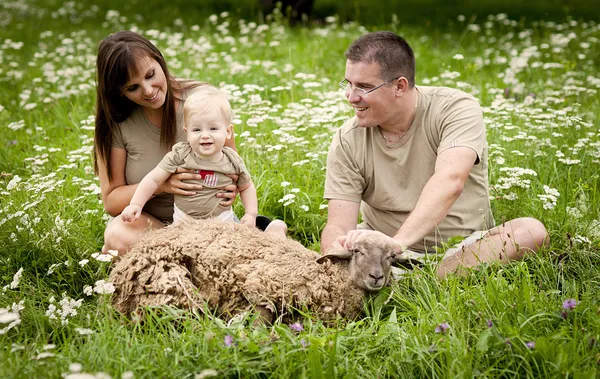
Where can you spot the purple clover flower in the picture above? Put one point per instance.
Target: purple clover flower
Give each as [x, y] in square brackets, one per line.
[442, 328]
[228, 340]
[530, 345]
[569, 304]
[297, 327]
[489, 323]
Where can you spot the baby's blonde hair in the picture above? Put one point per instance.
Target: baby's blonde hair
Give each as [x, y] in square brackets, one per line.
[205, 98]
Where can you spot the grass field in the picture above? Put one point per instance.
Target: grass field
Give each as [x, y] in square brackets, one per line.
[537, 80]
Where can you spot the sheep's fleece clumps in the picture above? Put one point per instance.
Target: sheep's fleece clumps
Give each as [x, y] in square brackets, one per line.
[231, 268]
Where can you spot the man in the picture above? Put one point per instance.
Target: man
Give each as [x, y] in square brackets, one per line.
[413, 160]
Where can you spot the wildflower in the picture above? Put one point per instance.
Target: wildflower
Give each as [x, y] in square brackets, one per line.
[16, 347]
[490, 323]
[297, 327]
[13, 182]
[6, 316]
[102, 257]
[458, 57]
[304, 343]
[530, 345]
[16, 278]
[43, 355]
[209, 372]
[442, 328]
[127, 375]
[68, 308]
[83, 262]
[569, 304]
[104, 288]
[84, 331]
[88, 290]
[228, 340]
[52, 267]
[507, 341]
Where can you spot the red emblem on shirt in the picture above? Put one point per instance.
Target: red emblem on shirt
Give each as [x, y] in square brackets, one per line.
[208, 177]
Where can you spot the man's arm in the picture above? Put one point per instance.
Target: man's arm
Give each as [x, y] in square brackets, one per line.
[452, 169]
[342, 217]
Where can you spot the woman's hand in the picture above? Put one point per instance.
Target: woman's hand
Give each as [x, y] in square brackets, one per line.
[229, 196]
[176, 185]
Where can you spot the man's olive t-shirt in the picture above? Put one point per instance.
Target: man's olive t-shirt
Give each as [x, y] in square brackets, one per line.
[388, 180]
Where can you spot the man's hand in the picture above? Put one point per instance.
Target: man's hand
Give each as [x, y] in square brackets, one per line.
[249, 220]
[358, 235]
[131, 213]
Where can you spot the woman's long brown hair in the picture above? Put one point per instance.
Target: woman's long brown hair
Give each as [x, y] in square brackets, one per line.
[118, 55]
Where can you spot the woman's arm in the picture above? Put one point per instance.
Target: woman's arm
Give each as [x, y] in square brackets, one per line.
[147, 187]
[116, 194]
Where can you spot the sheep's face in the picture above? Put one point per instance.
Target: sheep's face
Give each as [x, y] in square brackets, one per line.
[370, 265]
[370, 261]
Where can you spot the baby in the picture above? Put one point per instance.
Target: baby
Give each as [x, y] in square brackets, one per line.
[207, 118]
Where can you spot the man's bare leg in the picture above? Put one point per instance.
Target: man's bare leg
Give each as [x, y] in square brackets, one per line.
[504, 243]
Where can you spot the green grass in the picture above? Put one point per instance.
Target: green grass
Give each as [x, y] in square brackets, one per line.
[283, 86]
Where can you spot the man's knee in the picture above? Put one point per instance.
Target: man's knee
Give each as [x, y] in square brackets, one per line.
[530, 233]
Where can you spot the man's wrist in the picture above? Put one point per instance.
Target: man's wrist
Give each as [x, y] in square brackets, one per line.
[403, 246]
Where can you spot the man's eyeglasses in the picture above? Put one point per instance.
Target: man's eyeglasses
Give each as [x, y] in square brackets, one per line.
[347, 87]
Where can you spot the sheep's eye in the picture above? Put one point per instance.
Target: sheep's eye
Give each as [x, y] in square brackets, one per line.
[392, 256]
[356, 251]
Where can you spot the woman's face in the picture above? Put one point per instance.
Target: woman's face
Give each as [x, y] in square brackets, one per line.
[148, 88]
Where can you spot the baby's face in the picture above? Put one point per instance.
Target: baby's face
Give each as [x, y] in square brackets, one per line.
[207, 133]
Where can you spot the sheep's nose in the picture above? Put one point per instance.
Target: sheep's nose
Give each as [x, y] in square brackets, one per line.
[377, 276]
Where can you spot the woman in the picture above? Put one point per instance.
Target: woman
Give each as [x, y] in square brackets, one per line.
[138, 119]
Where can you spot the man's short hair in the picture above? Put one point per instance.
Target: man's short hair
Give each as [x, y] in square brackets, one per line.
[392, 52]
[205, 98]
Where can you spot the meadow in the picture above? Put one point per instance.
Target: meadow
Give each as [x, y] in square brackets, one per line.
[537, 81]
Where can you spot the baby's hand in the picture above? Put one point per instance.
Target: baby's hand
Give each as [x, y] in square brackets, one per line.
[131, 213]
[249, 220]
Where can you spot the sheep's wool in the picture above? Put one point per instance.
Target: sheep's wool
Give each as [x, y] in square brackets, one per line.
[230, 268]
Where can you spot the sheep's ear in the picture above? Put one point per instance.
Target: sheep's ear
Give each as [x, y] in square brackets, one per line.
[336, 251]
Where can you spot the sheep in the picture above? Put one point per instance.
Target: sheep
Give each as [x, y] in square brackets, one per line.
[231, 268]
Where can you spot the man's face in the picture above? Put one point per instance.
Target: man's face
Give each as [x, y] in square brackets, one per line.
[376, 108]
